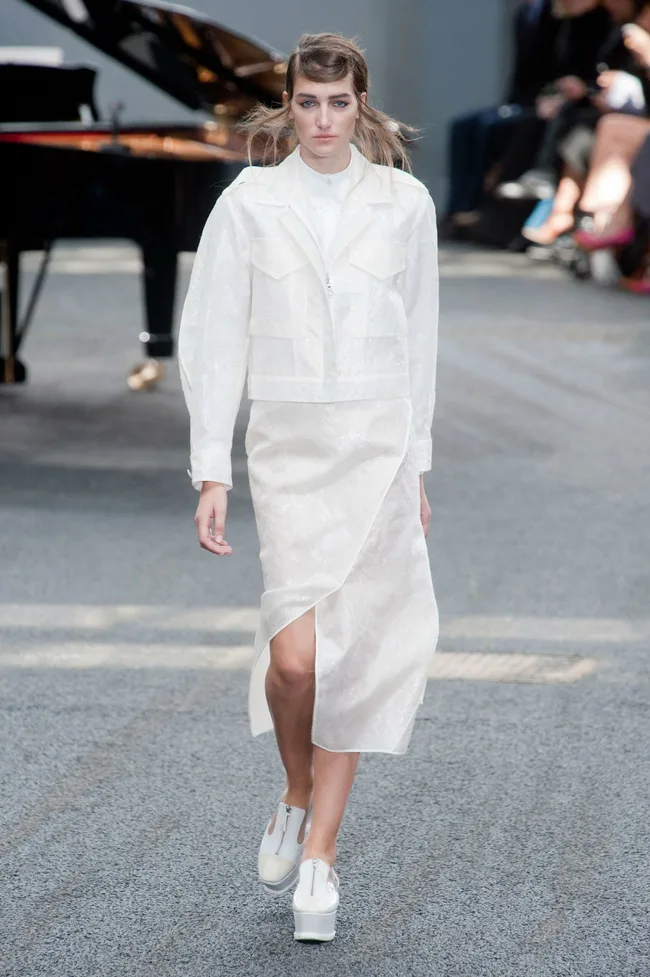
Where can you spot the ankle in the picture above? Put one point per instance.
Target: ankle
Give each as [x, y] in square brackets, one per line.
[298, 794]
[316, 850]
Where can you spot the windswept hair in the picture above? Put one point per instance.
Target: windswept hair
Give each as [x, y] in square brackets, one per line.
[327, 58]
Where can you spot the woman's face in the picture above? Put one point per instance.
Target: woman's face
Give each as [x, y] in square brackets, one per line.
[619, 10]
[324, 114]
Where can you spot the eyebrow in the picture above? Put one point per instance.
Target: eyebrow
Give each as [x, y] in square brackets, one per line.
[315, 97]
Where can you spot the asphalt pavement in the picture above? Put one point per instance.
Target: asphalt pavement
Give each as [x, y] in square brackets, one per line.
[510, 841]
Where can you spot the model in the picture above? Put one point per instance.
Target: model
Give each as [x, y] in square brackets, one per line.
[317, 278]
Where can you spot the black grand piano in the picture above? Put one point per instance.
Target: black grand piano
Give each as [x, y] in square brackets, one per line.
[66, 174]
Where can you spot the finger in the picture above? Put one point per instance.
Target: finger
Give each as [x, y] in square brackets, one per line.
[216, 549]
[212, 546]
[210, 540]
[217, 534]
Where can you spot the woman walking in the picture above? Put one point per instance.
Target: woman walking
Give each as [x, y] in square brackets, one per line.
[317, 277]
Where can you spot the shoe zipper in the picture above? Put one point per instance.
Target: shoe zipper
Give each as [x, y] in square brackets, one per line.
[313, 877]
[287, 812]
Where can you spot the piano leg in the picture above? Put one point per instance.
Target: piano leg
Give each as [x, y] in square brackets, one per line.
[11, 368]
[160, 261]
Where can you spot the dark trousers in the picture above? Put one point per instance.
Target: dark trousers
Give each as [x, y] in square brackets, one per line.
[571, 114]
[475, 141]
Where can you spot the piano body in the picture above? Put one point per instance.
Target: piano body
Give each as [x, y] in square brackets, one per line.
[65, 174]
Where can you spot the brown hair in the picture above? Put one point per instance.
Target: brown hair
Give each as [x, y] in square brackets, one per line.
[326, 58]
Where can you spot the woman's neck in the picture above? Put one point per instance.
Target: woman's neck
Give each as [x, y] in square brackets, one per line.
[327, 164]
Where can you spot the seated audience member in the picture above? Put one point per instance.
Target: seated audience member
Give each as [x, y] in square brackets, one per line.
[595, 187]
[636, 277]
[604, 219]
[619, 85]
[476, 139]
[567, 40]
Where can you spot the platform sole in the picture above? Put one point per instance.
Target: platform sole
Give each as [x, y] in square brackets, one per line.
[314, 926]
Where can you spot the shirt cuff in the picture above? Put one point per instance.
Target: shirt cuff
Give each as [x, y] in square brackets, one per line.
[199, 479]
[423, 454]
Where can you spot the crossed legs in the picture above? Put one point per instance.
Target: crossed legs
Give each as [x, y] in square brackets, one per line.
[618, 139]
[315, 774]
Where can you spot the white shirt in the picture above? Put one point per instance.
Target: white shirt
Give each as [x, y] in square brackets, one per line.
[325, 193]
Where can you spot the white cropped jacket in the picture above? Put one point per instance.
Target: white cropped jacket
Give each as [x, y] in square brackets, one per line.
[360, 322]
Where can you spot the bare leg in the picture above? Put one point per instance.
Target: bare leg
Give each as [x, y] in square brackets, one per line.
[560, 220]
[290, 687]
[618, 140]
[289, 690]
[333, 777]
[618, 220]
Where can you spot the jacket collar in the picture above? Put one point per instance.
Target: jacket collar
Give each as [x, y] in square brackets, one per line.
[283, 187]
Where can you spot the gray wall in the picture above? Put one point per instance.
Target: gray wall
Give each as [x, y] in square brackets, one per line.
[429, 58]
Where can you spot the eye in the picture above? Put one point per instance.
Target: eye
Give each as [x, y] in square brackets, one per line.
[308, 102]
[341, 103]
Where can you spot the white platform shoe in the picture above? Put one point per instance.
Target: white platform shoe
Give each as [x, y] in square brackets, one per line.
[278, 860]
[316, 901]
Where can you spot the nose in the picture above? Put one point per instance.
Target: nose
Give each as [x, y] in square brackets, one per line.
[324, 117]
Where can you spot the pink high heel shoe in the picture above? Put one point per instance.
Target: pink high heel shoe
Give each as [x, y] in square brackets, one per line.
[640, 286]
[590, 241]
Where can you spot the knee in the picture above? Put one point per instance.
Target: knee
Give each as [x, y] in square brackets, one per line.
[290, 671]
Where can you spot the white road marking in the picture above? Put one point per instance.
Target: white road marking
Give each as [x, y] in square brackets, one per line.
[445, 665]
[101, 617]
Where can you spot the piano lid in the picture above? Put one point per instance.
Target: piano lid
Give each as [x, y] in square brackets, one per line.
[182, 52]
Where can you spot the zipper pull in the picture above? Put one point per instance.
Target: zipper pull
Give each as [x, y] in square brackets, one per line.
[329, 286]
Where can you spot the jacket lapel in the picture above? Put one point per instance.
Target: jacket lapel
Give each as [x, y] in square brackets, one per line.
[358, 211]
[294, 217]
[285, 189]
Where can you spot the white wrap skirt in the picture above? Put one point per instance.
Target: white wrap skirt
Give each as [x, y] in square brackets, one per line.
[336, 496]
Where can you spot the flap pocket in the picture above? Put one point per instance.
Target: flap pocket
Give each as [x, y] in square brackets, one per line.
[276, 256]
[379, 256]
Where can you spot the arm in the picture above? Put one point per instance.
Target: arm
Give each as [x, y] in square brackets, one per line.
[420, 295]
[213, 342]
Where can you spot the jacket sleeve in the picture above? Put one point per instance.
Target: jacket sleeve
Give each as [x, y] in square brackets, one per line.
[420, 296]
[213, 342]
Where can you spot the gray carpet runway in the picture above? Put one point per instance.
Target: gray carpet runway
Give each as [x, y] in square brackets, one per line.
[510, 841]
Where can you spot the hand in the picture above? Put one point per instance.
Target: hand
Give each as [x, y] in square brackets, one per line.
[210, 518]
[572, 87]
[637, 40]
[600, 101]
[425, 509]
[604, 81]
[548, 106]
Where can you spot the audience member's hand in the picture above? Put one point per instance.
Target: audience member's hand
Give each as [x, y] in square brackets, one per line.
[572, 87]
[548, 106]
[638, 42]
[604, 81]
